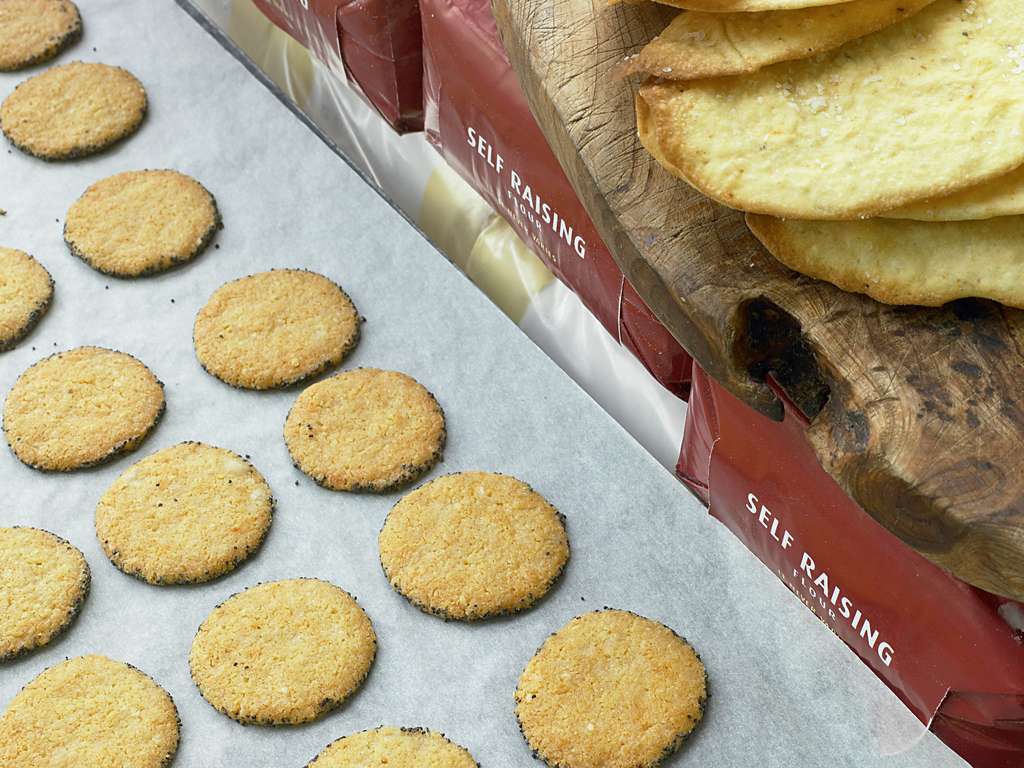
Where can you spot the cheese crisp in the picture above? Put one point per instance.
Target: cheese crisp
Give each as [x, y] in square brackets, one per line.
[472, 545]
[43, 582]
[610, 689]
[283, 653]
[904, 262]
[746, 6]
[365, 430]
[919, 110]
[1003, 196]
[184, 515]
[90, 711]
[73, 110]
[274, 329]
[395, 748]
[698, 45]
[140, 222]
[26, 290]
[33, 31]
[81, 407]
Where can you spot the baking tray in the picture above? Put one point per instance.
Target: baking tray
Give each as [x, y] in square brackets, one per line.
[784, 690]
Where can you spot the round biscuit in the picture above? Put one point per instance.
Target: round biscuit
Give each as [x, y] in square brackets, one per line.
[43, 582]
[274, 329]
[365, 430]
[81, 407]
[34, 31]
[184, 515]
[610, 690]
[472, 545]
[138, 223]
[396, 748]
[26, 290]
[283, 653]
[73, 110]
[90, 711]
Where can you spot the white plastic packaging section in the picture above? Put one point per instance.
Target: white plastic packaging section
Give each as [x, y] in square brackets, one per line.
[415, 178]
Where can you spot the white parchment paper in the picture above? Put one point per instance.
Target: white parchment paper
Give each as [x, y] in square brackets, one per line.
[785, 692]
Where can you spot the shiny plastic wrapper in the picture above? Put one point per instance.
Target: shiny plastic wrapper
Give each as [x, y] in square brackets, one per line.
[375, 44]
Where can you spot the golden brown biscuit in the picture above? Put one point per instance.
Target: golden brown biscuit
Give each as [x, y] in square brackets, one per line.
[274, 329]
[283, 653]
[365, 430]
[26, 290]
[33, 31]
[90, 711]
[140, 222]
[43, 583]
[395, 748]
[73, 110]
[473, 545]
[81, 407]
[184, 515]
[610, 690]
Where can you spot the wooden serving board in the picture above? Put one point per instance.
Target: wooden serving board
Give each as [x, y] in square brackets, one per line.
[917, 413]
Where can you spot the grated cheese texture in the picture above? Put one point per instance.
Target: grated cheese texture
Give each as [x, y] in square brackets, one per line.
[140, 222]
[367, 430]
[699, 45]
[184, 515]
[81, 407]
[274, 329]
[73, 110]
[26, 290]
[902, 124]
[34, 31]
[610, 690]
[43, 582]
[90, 711]
[473, 545]
[395, 748]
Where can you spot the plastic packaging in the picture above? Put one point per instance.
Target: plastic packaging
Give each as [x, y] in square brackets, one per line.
[375, 44]
[478, 118]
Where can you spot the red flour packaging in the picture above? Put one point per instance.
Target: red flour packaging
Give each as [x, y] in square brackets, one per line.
[478, 118]
[952, 653]
[375, 44]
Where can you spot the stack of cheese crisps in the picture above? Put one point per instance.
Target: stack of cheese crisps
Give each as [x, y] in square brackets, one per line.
[876, 144]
